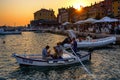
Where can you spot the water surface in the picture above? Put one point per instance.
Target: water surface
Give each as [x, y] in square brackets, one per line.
[105, 62]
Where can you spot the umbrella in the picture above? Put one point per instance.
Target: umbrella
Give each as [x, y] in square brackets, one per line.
[106, 19]
[66, 23]
[79, 22]
[114, 20]
[90, 20]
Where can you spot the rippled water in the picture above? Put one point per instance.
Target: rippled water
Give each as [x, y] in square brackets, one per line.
[105, 63]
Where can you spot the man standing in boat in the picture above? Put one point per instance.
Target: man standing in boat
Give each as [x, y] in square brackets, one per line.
[74, 45]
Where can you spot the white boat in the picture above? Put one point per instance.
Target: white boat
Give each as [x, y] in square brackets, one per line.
[91, 43]
[3, 32]
[36, 59]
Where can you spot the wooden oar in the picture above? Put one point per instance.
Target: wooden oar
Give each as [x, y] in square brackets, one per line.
[83, 65]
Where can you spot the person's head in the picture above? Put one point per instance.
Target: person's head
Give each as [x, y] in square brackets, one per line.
[58, 43]
[54, 48]
[47, 47]
[73, 38]
[88, 34]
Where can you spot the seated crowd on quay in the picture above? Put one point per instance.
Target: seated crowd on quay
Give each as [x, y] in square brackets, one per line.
[109, 28]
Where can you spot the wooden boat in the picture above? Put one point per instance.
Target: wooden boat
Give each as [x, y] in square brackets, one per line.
[91, 43]
[36, 59]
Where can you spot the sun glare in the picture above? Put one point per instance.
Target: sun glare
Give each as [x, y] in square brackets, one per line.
[77, 6]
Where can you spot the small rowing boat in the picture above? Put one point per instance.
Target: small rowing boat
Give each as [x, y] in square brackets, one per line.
[68, 58]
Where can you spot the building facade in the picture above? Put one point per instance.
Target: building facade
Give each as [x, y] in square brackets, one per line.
[110, 8]
[44, 14]
[116, 8]
[107, 5]
[82, 14]
[44, 17]
[96, 11]
[66, 15]
[62, 15]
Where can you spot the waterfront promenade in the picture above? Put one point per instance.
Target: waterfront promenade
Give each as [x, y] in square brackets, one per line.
[84, 34]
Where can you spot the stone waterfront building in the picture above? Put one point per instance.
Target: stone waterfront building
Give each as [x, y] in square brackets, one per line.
[44, 17]
[116, 8]
[44, 14]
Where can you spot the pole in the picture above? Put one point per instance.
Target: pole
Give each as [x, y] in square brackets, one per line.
[83, 65]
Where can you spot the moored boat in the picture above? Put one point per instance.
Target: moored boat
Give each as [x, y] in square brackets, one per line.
[94, 43]
[91, 43]
[3, 32]
[36, 59]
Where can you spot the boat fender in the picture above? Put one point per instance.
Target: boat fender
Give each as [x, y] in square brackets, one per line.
[114, 42]
[50, 62]
[71, 60]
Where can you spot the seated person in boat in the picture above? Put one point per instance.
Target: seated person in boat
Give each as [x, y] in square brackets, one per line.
[46, 52]
[58, 51]
[89, 37]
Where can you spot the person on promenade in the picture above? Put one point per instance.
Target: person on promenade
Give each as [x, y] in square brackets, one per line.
[46, 52]
[74, 45]
[88, 38]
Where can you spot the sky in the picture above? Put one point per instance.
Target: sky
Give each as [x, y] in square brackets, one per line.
[20, 12]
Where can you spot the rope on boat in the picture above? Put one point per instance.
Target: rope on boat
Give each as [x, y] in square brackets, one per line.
[83, 65]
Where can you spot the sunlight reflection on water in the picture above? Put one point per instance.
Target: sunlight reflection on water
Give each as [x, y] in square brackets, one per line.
[105, 63]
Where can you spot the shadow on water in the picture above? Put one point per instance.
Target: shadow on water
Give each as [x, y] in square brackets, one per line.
[45, 73]
[2, 78]
[108, 47]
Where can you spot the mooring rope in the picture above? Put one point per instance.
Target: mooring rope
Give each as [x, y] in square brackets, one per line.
[83, 65]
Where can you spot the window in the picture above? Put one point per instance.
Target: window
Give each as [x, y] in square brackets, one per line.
[118, 8]
[51, 14]
[118, 1]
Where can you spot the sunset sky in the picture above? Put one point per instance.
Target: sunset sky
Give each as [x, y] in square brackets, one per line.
[20, 12]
